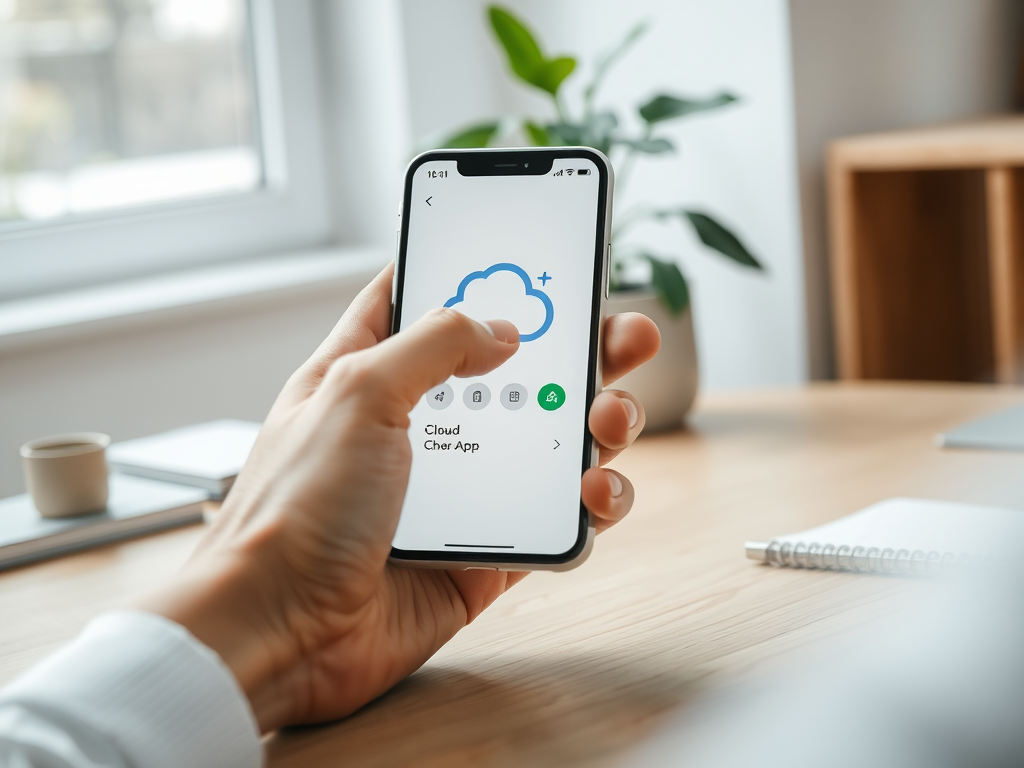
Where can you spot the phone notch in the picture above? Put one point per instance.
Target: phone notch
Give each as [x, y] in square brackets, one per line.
[513, 163]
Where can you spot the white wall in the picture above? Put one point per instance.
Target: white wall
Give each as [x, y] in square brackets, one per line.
[738, 164]
[366, 104]
[868, 65]
[181, 368]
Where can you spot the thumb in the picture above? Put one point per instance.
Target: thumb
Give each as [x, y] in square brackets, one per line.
[442, 344]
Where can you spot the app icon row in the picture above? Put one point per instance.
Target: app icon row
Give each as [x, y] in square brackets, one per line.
[477, 396]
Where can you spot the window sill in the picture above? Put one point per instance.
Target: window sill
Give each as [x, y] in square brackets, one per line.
[56, 317]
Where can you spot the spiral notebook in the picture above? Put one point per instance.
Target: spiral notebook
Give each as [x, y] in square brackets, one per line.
[898, 536]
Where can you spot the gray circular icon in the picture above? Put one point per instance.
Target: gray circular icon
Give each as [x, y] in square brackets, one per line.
[514, 396]
[440, 398]
[476, 396]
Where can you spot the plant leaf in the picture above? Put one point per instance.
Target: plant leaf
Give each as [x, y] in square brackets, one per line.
[664, 107]
[670, 285]
[538, 134]
[566, 134]
[595, 131]
[524, 54]
[552, 72]
[472, 137]
[715, 235]
[711, 232]
[650, 146]
[601, 124]
[605, 61]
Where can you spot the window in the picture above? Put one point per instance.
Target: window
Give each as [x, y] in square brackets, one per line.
[112, 104]
[145, 135]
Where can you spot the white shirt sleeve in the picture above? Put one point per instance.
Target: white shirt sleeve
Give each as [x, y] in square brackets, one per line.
[133, 690]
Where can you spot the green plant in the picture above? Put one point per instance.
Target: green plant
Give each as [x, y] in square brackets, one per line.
[599, 128]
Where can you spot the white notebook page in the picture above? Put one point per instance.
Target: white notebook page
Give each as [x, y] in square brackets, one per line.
[919, 524]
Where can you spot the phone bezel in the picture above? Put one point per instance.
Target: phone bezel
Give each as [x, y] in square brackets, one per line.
[502, 162]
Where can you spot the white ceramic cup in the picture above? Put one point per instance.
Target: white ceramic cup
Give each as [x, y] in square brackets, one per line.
[67, 474]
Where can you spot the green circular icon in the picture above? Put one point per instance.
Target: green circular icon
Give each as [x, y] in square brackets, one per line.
[551, 397]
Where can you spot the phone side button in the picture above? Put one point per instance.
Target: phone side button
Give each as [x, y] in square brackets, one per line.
[608, 272]
[394, 277]
[480, 568]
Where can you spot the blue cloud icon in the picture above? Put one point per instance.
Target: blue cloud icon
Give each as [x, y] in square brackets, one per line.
[530, 291]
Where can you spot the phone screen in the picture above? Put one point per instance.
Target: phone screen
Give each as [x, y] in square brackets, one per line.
[497, 460]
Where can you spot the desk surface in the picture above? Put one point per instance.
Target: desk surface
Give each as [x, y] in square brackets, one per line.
[573, 669]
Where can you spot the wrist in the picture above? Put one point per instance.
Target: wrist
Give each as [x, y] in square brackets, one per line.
[234, 610]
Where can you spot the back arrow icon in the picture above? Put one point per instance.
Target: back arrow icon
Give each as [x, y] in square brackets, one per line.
[429, 199]
[556, 445]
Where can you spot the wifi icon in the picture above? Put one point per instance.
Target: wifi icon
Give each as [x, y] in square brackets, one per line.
[569, 171]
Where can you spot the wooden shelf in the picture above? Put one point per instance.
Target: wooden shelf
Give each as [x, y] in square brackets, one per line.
[927, 252]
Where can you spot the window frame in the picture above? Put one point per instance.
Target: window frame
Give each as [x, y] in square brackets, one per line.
[291, 210]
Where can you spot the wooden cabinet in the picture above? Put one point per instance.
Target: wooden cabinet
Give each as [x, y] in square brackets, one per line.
[928, 252]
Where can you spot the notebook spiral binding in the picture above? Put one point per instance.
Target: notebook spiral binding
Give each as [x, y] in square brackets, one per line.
[897, 562]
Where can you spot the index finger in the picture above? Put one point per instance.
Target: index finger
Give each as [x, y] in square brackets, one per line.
[366, 322]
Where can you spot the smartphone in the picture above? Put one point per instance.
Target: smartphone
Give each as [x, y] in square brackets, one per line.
[519, 235]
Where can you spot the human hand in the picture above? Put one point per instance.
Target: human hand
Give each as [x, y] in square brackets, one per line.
[291, 585]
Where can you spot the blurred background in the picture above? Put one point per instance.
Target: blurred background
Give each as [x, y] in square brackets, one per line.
[112, 105]
[191, 191]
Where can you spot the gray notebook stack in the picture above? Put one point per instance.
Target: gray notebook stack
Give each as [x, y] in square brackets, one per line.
[207, 456]
[1002, 431]
[137, 506]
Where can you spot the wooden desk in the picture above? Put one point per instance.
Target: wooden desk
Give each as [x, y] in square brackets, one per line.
[573, 669]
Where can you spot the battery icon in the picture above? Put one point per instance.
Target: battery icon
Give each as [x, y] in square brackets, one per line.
[583, 172]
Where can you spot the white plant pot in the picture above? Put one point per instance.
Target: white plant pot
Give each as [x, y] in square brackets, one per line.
[667, 385]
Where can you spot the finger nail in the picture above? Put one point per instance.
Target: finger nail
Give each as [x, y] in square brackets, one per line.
[502, 330]
[616, 485]
[631, 411]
